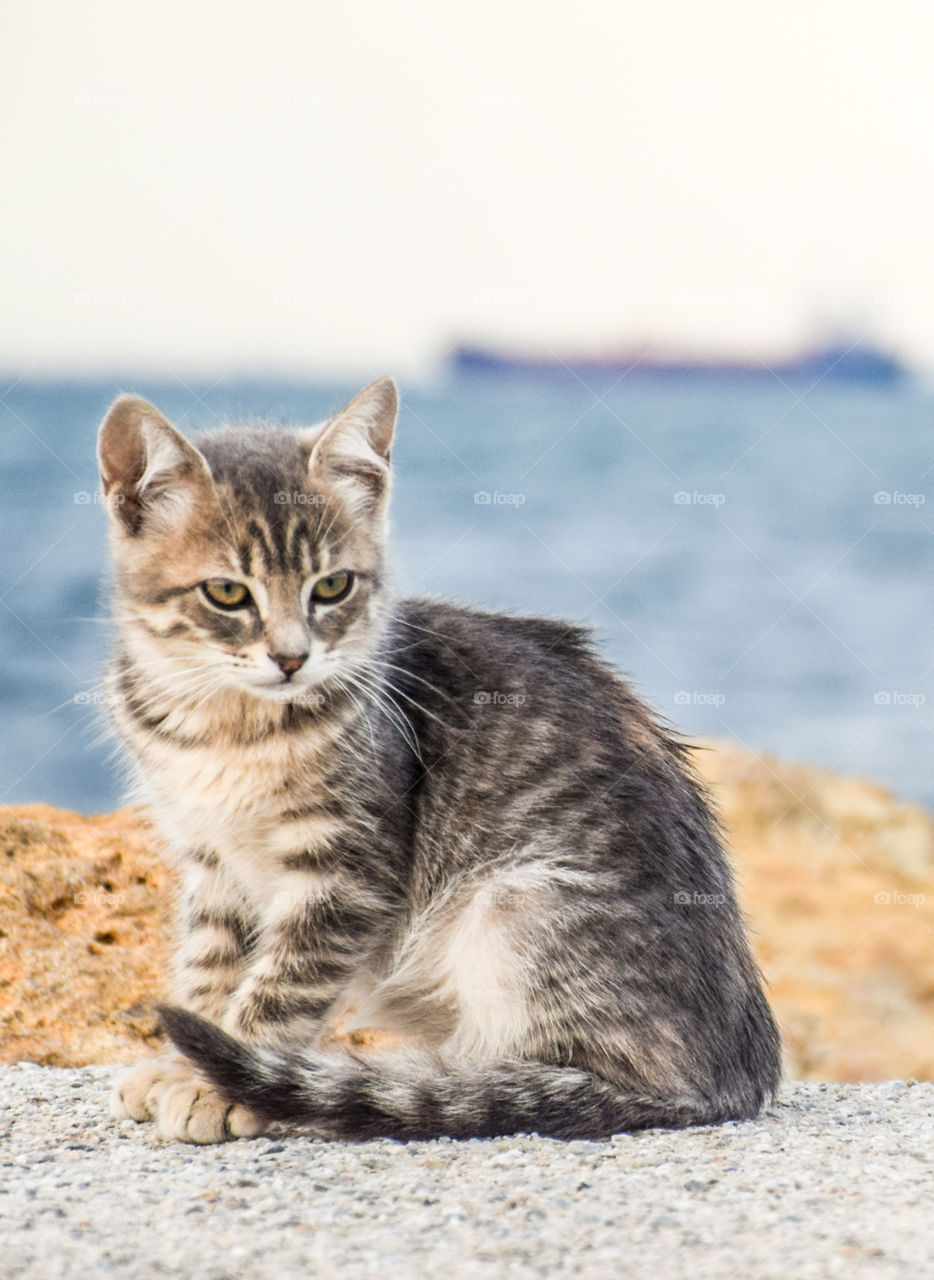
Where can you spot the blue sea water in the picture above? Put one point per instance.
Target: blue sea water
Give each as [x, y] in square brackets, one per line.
[758, 559]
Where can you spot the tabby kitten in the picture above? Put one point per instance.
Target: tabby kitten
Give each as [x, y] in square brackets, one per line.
[442, 871]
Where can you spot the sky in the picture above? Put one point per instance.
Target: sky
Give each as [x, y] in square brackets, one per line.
[310, 188]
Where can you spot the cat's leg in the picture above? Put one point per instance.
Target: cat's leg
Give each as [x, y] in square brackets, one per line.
[320, 934]
[216, 941]
[319, 930]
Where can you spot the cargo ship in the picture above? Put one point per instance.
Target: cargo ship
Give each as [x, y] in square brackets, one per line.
[841, 362]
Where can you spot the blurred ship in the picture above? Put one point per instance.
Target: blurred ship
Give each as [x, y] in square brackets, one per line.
[837, 362]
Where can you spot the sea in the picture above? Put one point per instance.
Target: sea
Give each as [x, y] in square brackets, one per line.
[756, 557]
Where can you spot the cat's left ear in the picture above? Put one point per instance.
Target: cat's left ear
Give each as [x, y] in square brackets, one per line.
[352, 450]
[150, 474]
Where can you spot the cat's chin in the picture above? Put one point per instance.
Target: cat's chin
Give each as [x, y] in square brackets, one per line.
[300, 696]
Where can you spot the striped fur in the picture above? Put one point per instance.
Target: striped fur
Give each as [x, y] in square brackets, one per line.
[442, 872]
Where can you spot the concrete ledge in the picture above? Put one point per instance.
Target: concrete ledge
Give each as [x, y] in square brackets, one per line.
[835, 1180]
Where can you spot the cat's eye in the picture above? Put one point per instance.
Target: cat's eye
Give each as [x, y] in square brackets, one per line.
[226, 594]
[332, 588]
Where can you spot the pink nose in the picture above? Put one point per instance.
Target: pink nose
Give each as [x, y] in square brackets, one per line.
[288, 663]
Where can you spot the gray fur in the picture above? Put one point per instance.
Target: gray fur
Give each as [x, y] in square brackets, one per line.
[469, 833]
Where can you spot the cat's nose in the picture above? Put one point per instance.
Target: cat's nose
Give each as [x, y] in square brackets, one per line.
[289, 663]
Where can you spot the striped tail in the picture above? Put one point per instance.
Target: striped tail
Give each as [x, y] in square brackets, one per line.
[410, 1096]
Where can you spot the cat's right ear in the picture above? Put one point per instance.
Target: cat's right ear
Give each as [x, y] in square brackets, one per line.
[150, 474]
[352, 450]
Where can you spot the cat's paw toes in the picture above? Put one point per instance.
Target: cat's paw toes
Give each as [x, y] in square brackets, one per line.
[244, 1123]
[193, 1111]
[136, 1092]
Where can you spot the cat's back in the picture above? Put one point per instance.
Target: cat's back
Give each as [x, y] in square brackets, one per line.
[469, 643]
[533, 746]
[529, 686]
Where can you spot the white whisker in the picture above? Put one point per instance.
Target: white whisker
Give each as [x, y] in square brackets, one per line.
[385, 681]
[384, 702]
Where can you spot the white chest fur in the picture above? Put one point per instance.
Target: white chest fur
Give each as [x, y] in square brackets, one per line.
[234, 800]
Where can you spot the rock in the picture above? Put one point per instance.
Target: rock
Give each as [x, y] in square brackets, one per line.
[836, 878]
[85, 920]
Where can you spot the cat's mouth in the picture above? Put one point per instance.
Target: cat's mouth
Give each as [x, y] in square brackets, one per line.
[288, 682]
[286, 688]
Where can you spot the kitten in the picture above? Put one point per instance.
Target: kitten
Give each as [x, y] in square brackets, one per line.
[443, 873]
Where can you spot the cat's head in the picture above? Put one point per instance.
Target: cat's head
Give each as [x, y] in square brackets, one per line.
[249, 558]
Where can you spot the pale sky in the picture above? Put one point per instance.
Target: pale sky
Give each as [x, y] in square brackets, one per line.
[321, 187]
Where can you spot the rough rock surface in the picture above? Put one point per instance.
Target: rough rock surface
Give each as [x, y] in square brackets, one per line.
[834, 1181]
[85, 928]
[837, 882]
[836, 878]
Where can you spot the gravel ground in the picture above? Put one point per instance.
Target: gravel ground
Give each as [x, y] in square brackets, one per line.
[834, 1180]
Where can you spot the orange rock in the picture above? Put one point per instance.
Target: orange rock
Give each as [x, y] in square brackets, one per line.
[836, 878]
[85, 922]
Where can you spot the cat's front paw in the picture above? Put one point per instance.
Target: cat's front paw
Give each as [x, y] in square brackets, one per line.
[138, 1089]
[193, 1111]
[185, 1107]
